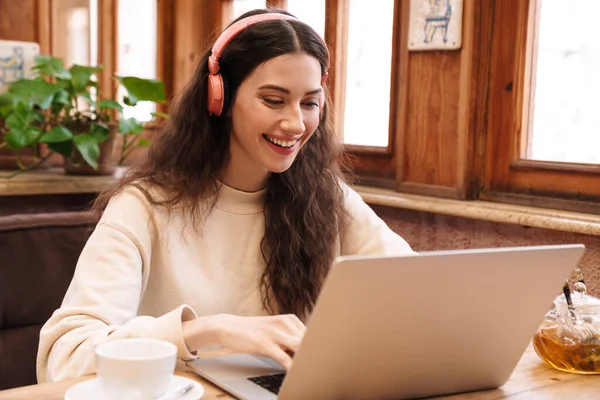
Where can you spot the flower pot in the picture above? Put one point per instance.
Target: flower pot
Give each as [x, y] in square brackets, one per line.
[106, 166]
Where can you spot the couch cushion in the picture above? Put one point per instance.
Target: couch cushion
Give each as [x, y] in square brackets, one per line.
[17, 364]
[38, 254]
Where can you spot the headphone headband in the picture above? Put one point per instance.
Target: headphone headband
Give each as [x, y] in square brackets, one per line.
[216, 89]
[232, 31]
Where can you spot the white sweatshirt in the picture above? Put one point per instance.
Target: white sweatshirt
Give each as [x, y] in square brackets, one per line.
[141, 274]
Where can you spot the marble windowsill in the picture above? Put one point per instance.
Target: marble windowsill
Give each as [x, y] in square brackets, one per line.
[488, 211]
[55, 181]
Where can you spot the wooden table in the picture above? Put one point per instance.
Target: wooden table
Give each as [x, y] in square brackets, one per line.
[532, 380]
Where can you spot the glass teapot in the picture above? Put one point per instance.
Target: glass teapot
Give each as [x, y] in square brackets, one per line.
[569, 336]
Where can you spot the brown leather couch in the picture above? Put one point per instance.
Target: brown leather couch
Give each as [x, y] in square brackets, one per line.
[38, 254]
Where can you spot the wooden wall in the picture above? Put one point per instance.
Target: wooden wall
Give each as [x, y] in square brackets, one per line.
[440, 93]
[19, 20]
[443, 99]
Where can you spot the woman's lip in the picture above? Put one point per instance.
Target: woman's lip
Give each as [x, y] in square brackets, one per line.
[285, 139]
[282, 150]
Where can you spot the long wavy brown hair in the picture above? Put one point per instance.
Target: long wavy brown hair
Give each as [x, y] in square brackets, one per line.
[304, 206]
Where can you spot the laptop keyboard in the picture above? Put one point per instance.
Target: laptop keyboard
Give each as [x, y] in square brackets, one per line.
[270, 382]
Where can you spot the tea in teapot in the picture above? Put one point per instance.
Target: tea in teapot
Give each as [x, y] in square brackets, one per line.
[569, 337]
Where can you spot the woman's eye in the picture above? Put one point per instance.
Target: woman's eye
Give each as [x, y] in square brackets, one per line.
[311, 104]
[273, 102]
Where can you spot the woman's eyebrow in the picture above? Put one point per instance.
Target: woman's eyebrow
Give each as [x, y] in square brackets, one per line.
[287, 91]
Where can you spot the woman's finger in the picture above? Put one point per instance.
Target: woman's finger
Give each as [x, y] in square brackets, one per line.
[293, 324]
[288, 342]
[276, 353]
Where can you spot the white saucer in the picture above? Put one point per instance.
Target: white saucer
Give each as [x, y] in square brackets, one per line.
[90, 390]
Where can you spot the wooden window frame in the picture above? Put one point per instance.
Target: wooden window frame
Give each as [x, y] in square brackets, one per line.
[457, 118]
[108, 54]
[421, 157]
[455, 130]
[509, 176]
[371, 164]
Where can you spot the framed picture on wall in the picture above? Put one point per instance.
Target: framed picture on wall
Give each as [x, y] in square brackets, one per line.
[435, 25]
[16, 61]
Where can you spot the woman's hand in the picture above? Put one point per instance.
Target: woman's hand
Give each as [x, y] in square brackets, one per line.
[277, 336]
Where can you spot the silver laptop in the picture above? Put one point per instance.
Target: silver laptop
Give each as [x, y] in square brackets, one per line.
[407, 327]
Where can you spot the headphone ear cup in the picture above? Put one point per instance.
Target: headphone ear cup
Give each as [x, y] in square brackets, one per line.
[225, 103]
[215, 94]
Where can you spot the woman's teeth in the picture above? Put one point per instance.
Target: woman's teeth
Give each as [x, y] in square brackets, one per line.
[282, 143]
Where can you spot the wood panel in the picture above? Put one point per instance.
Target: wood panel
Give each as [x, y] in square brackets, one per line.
[336, 37]
[18, 20]
[440, 115]
[165, 47]
[107, 48]
[197, 23]
[504, 117]
[432, 115]
[472, 112]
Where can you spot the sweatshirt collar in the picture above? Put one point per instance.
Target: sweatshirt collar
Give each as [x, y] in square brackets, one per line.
[239, 202]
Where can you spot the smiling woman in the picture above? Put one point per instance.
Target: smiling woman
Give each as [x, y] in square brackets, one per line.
[224, 235]
[274, 114]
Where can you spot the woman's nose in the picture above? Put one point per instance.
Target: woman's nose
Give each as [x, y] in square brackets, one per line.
[292, 121]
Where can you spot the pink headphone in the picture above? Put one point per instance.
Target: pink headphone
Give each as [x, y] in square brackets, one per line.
[216, 86]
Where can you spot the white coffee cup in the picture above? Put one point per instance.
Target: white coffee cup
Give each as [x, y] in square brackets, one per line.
[135, 368]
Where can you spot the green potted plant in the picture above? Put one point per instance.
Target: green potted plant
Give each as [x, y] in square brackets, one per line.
[64, 109]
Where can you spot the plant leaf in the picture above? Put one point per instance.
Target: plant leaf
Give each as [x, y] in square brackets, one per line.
[61, 98]
[88, 147]
[143, 142]
[35, 91]
[80, 75]
[104, 104]
[127, 101]
[130, 126]
[36, 115]
[100, 132]
[67, 85]
[160, 115]
[56, 135]
[143, 89]
[20, 117]
[64, 148]
[51, 66]
[6, 103]
[18, 138]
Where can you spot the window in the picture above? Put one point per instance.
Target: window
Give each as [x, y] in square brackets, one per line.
[73, 30]
[136, 48]
[242, 6]
[542, 135]
[368, 73]
[75, 35]
[82, 34]
[566, 82]
[312, 12]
